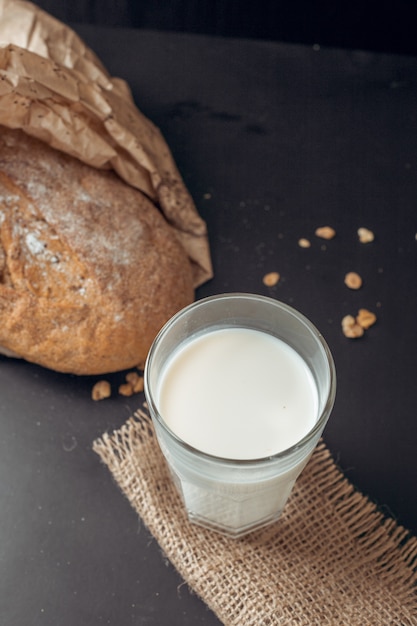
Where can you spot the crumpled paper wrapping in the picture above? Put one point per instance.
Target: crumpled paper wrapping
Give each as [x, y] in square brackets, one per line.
[52, 86]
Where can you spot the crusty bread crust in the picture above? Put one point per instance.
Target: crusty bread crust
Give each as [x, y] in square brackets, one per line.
[89, 268]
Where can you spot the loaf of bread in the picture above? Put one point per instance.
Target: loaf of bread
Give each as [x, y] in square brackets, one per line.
[89, 268]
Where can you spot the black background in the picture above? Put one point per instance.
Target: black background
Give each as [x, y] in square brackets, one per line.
[385, 26]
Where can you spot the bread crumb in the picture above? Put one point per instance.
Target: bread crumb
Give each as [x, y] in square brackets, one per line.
[271, 279]
[135, 381]
[365, 235]
[353, 280]
[366, 318]
[325, 232]
[126, 389]
[354, 327]
[304, 243]
[351, 328]
[101, 390]
[133, 384]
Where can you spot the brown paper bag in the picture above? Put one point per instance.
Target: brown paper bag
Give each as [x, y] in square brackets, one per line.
[52, 86]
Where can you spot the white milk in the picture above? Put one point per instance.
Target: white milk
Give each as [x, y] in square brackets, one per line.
[238, 393]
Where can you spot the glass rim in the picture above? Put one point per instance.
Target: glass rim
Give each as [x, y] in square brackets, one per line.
[267, 460]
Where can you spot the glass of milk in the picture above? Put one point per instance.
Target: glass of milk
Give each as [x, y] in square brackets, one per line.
[239, 388]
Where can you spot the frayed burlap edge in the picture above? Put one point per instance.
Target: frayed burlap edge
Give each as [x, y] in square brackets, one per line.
[332, 558]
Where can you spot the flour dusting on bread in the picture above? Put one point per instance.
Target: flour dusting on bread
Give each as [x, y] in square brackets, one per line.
[89, 268]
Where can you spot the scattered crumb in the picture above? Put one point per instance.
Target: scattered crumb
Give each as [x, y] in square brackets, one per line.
[325, 232]
[135, 381]
[365, 235]
[126, 389]
[207, 196]
[304, 243]
[351, 328]
[353, 280]
[354, 327]
[366, 318]
[101, 390]
[133, 384]
[271, 279]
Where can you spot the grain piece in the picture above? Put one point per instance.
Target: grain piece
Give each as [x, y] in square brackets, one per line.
[304, 243]
[365, 318]
[365, 235]
[135, 381]
[271, 279]
[101, 390]
[351, 328]
[353, 280]
[325, 232]
[126, 389]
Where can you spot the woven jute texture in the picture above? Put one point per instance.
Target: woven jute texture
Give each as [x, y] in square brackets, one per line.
[332, 558]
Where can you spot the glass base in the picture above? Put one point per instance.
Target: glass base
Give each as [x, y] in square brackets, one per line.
[232, 532]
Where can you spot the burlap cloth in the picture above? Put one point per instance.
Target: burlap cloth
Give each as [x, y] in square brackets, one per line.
[332, 558]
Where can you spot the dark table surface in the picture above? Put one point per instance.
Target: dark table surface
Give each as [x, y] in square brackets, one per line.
[272, 141]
